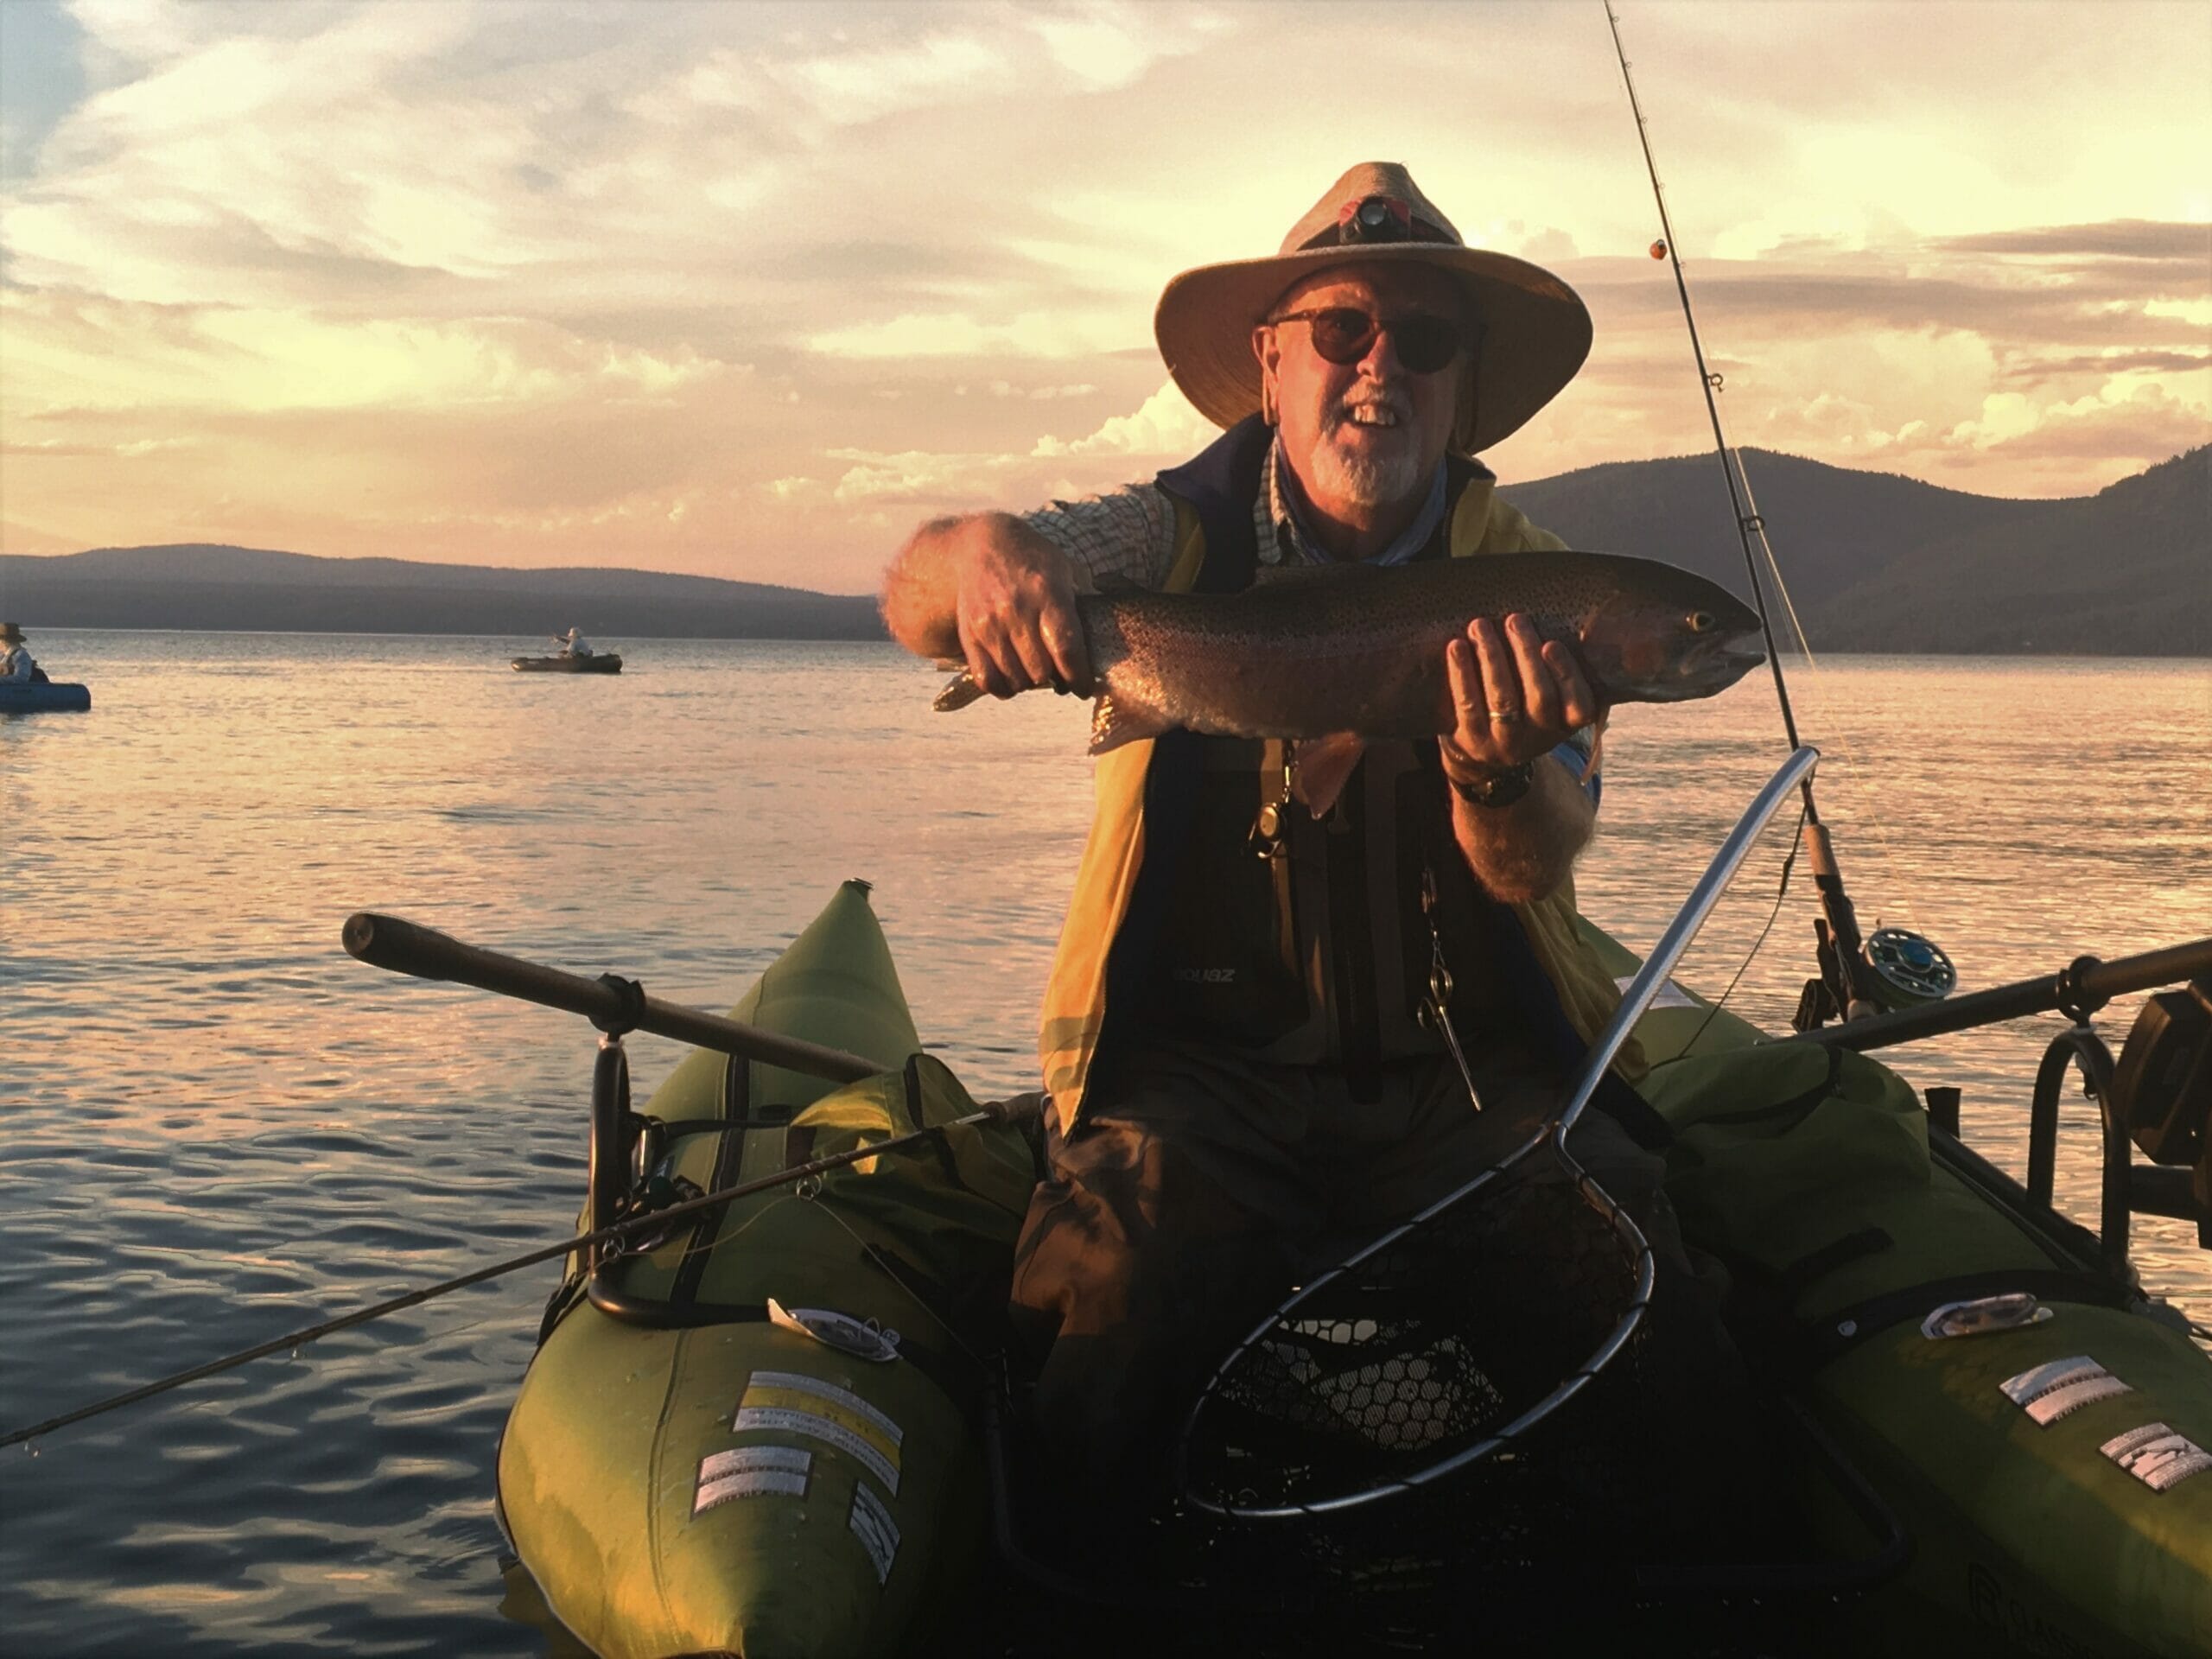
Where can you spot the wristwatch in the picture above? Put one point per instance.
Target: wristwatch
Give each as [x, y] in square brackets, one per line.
[1499, 787]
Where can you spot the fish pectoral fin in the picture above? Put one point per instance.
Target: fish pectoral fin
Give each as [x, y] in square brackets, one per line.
[1320, 768]
[1597, 755]
[959, 691]
[1115, 721]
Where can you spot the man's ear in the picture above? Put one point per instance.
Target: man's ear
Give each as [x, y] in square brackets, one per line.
[1269, 353]
[1469, 408]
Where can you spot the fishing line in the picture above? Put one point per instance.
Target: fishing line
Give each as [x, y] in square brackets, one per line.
[1845, 752]
[891, 1272]
[652, 1220]
[1745, 523]
[1788, 862]
[1843, 970]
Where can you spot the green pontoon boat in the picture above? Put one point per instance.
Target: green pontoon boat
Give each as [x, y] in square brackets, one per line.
[786, 1425]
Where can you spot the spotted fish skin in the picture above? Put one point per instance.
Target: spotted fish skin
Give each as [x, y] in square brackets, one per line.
[1311, 652]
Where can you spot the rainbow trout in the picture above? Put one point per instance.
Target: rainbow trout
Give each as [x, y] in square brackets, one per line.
[1329, 650]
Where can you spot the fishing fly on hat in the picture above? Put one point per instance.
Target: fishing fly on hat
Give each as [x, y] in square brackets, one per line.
[1530, 330]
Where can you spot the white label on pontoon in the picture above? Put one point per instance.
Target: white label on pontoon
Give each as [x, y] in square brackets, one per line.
[2047, 1408]
[783, 1420]
[751, 1471]
[877, 1532]
[1668, 995]
[2032, 1384]
[844, 1398]
[2157, 1456]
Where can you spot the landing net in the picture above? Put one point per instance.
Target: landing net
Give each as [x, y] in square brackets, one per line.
[1437, 1346]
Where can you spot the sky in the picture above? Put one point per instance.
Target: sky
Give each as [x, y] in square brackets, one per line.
[750, 289]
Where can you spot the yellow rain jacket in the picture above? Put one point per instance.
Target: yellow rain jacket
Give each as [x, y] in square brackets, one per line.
[1075, 1009]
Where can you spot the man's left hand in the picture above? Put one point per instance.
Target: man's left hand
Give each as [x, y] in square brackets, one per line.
[1516, 696]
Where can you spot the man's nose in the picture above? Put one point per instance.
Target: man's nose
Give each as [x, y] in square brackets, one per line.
[1381, 362]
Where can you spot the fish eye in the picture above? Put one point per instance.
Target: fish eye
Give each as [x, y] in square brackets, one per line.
[1700, 621]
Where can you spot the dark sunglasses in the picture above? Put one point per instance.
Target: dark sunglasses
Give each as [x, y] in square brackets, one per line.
[1344, 333]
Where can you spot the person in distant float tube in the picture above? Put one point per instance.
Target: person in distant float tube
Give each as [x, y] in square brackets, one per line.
[17, 666]
[1232, 1037]
[572, 643]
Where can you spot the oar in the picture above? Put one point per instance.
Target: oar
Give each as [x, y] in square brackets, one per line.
[611, 1004]
[1011, 1111]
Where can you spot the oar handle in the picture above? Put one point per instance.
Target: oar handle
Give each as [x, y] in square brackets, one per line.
[406, 947]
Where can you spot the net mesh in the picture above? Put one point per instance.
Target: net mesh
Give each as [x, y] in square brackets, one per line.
[1377, 1375]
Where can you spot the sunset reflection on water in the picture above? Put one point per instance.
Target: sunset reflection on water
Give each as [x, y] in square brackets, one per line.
[220, 1124]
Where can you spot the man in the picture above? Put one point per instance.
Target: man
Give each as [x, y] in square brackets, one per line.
[1244, 1081]
[16, 665]
[572, 643]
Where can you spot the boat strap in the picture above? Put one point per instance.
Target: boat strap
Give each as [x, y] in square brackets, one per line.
[1819, 1342]
[1793, 1281]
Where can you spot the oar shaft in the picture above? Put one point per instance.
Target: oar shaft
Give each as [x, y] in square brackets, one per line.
[657, 1219]
[406, 947]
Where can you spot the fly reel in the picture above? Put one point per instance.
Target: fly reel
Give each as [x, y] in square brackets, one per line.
[1908, 970]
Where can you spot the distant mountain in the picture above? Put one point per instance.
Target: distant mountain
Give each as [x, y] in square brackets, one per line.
[1876, 561]
[196, 586]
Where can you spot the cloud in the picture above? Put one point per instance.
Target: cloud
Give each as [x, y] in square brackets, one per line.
[956, 334]
[1165, 425]
[1040, 394]
[2117, 361]
[2122, 239]
[916, 476]
[498, 267]
[77, 351]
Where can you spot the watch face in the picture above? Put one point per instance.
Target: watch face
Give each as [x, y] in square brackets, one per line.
[1498, 789]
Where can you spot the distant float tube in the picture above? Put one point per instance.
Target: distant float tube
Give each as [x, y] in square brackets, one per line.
[44, 696]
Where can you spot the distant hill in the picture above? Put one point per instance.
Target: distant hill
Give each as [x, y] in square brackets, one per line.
[1874, 561]
[197, 586]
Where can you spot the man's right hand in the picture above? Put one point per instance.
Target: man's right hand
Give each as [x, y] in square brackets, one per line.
[1010, 594]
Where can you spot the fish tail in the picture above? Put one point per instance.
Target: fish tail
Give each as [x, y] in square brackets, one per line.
[959, 691]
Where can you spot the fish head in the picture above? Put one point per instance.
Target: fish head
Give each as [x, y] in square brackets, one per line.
[1669, 641]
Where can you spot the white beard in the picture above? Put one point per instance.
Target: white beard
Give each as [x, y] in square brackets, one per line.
[1366, 481]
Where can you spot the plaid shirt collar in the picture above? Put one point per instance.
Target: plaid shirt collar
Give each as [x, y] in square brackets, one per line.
[1284, 537]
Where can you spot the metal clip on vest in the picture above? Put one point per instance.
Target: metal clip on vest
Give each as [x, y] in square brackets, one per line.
[1436, 1007]
[1270, 836]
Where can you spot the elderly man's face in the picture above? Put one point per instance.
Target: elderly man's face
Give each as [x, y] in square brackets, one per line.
[1367, 435]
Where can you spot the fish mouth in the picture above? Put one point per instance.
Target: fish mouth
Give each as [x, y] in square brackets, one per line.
[1743, 651]
[1732, 657]
[1712, 669]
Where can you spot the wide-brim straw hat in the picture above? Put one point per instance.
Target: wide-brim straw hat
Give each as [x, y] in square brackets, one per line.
[1534, 330]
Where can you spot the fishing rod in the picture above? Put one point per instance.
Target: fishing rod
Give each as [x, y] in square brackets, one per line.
[619, 1232]
[1849, 980]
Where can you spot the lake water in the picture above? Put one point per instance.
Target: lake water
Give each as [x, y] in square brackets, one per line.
[220, 1126]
